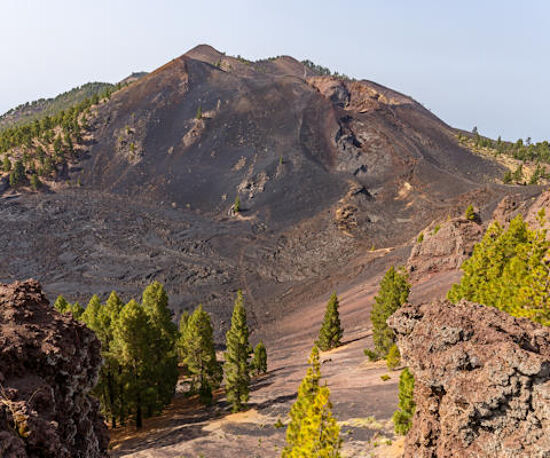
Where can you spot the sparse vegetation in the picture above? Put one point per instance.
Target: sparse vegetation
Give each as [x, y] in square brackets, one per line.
[420, 238]
[324, 71]
[520, 150]
[237, 204]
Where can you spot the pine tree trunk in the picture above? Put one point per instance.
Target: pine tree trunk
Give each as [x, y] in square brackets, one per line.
[111, 398]
[139, 421]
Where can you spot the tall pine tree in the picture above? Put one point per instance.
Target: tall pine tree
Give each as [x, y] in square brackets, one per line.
[330, 335]
[312, 430]
[163, 348]
[200, 355]
[236, 368]
[306, 394]
[132, 348]
[393, 293]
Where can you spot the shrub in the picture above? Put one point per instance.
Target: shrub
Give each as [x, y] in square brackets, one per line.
[394, 358]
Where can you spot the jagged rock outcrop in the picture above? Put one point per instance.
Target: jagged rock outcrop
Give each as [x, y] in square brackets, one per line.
[482, 381]
[444, 246]
[48, 365]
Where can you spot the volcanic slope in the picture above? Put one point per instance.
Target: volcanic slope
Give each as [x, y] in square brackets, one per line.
[328, 171]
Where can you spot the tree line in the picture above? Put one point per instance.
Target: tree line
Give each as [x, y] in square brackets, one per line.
[522, 150]
[144, 351]
[47, 143]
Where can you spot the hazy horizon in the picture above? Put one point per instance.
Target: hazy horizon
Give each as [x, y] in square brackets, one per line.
[470, 64]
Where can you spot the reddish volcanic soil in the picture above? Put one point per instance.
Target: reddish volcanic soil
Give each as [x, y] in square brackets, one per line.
[363, 403]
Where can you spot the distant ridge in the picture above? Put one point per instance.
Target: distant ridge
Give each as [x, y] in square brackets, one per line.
[37, 109]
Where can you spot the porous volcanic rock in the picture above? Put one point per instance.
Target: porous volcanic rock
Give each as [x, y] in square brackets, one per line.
[541, 203]
[443, 249]
[48, 365]
[482, 381]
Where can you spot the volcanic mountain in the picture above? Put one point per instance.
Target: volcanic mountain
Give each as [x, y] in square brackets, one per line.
[331, 173]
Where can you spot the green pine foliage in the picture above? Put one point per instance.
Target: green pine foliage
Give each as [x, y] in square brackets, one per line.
[45, 144]
[164, 352]
[394, 358]
[237, 205]
[200, 355]
[131, 347]
[259, 360]
[237, 371]
[393, 293]
[312, 430]
[520, 149]
[470, 213]
[330, 335]
[509, 270]
[306, 394]
[61, 304]
[402, 418]
[138, 345]
[184, 319]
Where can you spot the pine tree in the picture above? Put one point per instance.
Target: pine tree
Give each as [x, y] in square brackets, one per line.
[90, 315]
[470, 213]
[35, 182]
[330, 335]
[184, 319]
[163, 348]
[237, 205]
[509, 270]
[306, 394]
[132, 347]
[312, 430]
[200, 355]
[259, 360]
[320, 434]
[237, 374]
[394, 358]
[402, 418]
[6, 164]
[61, 304]
[76, 310]
[393, 293]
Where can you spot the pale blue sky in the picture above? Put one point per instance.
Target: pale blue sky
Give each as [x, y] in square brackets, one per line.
[483, 63]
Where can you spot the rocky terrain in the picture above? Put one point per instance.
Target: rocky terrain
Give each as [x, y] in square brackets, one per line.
[482, 381]
[326, 169]
[336, 178]
[48, 365]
